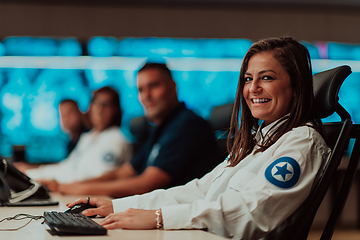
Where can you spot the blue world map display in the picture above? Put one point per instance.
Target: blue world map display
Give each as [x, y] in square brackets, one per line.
[36, 74]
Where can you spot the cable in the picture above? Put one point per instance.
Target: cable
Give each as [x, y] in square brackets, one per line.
[20, 216]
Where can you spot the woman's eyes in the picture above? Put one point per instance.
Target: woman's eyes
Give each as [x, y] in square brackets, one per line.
[267, 78]
[248, 79]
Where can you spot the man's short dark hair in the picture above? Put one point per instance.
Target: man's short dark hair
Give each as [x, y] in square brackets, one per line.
[159, 66]
[69, 101]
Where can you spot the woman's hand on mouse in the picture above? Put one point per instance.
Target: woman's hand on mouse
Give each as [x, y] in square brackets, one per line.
[104, 207]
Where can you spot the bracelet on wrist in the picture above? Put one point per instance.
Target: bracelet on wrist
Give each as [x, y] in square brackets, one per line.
[159, 220]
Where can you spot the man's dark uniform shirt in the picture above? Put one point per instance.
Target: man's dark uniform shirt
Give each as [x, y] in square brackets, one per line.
[183, 146]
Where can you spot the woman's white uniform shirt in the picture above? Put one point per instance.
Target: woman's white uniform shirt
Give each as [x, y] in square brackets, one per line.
[248, 200]
[94, 154]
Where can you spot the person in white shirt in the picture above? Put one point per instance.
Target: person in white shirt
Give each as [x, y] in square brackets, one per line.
[100, 150]
[277, 151]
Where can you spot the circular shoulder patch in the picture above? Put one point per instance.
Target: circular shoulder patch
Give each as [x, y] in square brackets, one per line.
[284, 172]
[109, 157]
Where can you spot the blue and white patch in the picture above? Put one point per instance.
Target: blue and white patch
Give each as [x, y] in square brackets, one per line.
[109, 157]
[284, 172]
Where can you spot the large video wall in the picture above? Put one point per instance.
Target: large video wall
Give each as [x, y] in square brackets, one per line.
[37, 73]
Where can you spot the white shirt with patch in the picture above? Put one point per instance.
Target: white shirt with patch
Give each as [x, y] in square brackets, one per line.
[94, 154]
[246, 201]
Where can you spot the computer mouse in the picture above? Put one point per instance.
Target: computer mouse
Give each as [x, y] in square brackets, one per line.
[79, 208]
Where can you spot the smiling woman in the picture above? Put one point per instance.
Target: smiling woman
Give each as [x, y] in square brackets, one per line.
[267, 90]
[275, 154]
[286, 58]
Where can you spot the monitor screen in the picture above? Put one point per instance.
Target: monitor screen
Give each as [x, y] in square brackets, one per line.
[36, 74]
[30, 98]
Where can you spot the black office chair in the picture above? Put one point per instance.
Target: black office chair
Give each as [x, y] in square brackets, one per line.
[140, 128]
[349, 173]
[219, 121]
[326, 88]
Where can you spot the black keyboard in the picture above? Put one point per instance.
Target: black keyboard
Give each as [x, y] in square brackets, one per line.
[73, 223]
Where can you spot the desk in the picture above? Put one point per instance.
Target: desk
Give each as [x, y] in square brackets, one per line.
[37, 231]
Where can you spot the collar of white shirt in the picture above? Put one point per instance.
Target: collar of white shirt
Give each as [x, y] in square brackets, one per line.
[264, 132]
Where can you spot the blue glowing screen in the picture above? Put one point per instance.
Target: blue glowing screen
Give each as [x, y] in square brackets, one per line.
[206, 72]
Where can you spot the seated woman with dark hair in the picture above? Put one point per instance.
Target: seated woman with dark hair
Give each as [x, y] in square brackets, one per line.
[100, 150]
[277, 153]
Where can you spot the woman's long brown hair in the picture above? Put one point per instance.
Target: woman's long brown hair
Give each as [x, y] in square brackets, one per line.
[295, 60]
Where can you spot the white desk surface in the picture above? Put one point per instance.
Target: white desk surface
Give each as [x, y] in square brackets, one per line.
[37, 231]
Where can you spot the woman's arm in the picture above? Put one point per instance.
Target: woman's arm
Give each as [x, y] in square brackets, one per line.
[187, 193]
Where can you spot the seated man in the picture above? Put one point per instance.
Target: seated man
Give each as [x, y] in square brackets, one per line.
[73, 122]
[180, 147]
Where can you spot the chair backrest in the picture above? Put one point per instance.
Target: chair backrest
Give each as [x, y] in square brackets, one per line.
[219, 121]
[220, 117]
[326, 88]
[140, 128]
